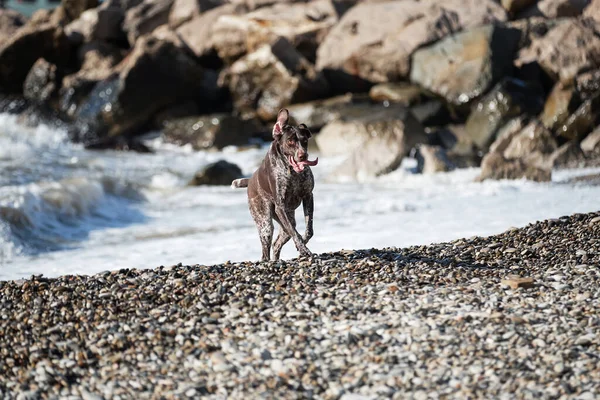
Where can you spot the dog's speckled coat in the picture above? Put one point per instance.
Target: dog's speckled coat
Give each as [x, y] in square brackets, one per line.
[279, 185]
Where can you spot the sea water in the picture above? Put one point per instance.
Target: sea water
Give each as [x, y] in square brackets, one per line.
[67, 210]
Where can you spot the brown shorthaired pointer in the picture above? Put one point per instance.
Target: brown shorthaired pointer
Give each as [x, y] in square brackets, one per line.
[282, 181]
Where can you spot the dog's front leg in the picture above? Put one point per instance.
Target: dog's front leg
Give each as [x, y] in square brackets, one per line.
[308, 206]
[291, 230]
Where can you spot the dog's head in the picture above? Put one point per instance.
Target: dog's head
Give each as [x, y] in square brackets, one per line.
[292, 141]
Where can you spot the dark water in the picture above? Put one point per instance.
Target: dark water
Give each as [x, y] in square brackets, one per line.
[28, 7]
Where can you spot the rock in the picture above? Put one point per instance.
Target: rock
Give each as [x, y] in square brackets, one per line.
[40, 17]
[185, 10]
[508, 99]
[318, 113]
[434, 113]
[271, 78]
[198, 32]
[456, 140]
[464, 66]
[42, 82]
[145, 17]
[210, 131]
[10, 22]
[377, 143]
[374, 41]
[552, 9]
[97, 60]
[582, 121]
[591, 143]
[22, 50]
[513, 6]
[495, 166]
[122, 4]
[566, 50]
[569, 155]
[218, 173]
[82, 28]
[302, 24]
[116, 105]
[587, 84]
[506, 134]
[592, 11]
[533, 144]
[74, 8]
[401, 92]
[432, 159]
[533, 28]
[102, 23]
[561, 102]
[515, 283]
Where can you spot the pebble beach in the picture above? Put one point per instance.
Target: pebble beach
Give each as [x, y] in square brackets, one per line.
[508, 316]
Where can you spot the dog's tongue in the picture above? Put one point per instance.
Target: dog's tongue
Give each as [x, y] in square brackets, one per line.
[299, 166]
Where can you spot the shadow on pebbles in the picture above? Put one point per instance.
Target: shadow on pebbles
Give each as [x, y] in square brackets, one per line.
[507, 316]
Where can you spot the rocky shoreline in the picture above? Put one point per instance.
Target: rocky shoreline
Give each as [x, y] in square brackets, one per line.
[511, 86]
[508, 316]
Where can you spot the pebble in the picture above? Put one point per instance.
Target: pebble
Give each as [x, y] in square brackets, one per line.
[357, 324]
[515, 283]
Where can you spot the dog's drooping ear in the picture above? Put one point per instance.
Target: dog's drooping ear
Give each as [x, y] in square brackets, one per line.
[282, 119]
[305, 131]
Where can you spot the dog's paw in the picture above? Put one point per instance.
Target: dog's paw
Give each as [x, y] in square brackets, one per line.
[305, 252]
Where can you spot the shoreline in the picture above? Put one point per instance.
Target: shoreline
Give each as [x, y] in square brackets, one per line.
[424, 320]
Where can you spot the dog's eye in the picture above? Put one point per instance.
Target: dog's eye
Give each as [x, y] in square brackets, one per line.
[291, 142]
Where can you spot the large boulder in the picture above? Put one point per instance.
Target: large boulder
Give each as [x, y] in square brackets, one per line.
[97, 61]
[74, 8]
[464, 66]
[397, 92]
[578, 124]
[495, 166]
[198, 32]
[125, 102]
[42, 82]
[534, 144]
[24, 48]
[374, 41]
[456, 141]
[591, 143]
[220, 173]
[316, 114]
[520, 152]
[506, 134]
[10, 22]
[432, 159]
[561, 102]
[302, 24]
[270, 78]
[565, 51]
[553, 9]
[146, 17]
[102, 23]
[513, 6]
[376, 143]
[569, 155]
[185, 10]
[213, 131]
[508, 99]
[592, 11]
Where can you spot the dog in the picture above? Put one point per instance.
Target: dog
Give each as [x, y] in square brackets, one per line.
[282, 181]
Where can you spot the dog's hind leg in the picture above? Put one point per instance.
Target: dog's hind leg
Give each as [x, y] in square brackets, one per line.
[283, 236]
[262, 215]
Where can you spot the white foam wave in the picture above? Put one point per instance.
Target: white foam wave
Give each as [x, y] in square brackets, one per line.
[52, 215]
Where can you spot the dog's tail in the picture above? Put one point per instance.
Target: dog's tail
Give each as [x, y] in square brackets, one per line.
[240, 183]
